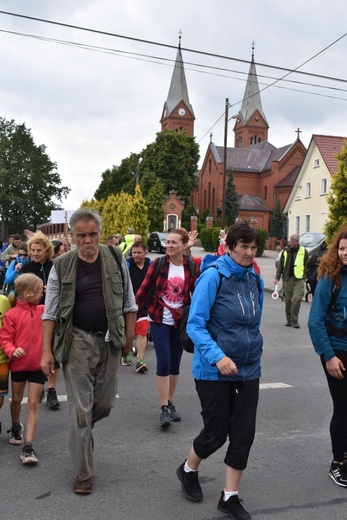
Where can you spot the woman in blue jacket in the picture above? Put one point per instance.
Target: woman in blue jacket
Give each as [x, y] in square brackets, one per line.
[223, 323]
[327, 324]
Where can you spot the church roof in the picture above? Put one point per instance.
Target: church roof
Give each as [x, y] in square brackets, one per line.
[178, 90]
[255, 158]
[329, 146]
[251, 98]
[248, 203]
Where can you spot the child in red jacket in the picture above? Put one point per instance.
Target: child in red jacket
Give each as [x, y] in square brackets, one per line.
[21, 341]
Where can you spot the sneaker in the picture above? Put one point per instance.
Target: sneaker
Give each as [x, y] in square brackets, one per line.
[28, 455]
[288, 324]
[83, 487]
[190, 484]
[174, 416]
[233, 507]
[16, 434]
[296, 325]
[141, 366]
[164, 419]
[126, 360]
[42, 396]
[52, 399]
[338, 472]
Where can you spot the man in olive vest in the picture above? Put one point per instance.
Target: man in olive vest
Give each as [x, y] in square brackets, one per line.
[292, 268]
[89, 317]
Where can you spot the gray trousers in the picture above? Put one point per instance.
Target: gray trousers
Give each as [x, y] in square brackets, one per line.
[90, 374]
[294, 291]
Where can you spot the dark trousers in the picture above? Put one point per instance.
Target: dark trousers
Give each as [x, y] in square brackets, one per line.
[338, 424]
[228, 409]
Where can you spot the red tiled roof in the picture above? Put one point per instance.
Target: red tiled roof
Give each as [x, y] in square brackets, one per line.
[329, 146]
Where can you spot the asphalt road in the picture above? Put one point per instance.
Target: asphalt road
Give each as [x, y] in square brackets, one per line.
[135, 462]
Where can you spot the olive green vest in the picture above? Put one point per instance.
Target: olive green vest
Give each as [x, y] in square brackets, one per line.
[112, 288]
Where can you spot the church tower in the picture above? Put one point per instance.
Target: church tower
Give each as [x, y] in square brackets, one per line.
[178, 112]
[251, 126]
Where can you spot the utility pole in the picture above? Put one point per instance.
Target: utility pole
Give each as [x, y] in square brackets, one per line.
[225, 161]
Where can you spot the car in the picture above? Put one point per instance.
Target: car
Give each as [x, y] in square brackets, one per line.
[157, 242]
[312, 242]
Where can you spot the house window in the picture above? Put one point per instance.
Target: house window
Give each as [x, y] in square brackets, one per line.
[265, 192]
[316, 163]
[324, 186]
[297, 225]
[308, 189]
[307, 222]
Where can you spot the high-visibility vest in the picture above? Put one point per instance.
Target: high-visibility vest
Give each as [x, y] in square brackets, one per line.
[299, 267]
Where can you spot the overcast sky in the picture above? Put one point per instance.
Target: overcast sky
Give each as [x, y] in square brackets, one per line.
[92, 108]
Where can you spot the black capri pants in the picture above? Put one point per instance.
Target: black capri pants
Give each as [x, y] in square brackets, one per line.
[229, 408]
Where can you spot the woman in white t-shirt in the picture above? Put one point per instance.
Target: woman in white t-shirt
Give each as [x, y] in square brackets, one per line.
[165, 291]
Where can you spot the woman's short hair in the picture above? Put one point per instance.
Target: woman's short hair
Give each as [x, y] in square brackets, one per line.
[56, 245]
[242, 232]
[40, 238]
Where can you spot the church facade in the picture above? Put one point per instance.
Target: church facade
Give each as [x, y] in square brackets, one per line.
[262, 173]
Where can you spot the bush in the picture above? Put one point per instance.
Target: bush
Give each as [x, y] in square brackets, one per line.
[263, 239]
[209, 238]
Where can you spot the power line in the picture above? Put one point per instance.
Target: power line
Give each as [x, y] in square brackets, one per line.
[186, 49]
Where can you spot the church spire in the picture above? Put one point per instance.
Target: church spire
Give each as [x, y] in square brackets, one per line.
[178, 112]
[251, 98]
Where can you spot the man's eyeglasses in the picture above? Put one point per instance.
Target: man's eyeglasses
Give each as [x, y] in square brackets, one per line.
[24, 255]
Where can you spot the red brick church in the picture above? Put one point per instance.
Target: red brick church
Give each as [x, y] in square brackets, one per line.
[262, 173]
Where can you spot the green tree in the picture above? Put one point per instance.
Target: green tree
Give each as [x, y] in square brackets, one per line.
[116, 214]
[173, 157]
[205, 213]
[30, 186]
[232, 206]
[154, 200]
[94, 205]
[118, 178]
[138, 214]
[337, 198]
[278, 222]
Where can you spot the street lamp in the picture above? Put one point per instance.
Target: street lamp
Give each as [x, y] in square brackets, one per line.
[137, 172]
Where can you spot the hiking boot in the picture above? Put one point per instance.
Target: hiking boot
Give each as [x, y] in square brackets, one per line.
[83, 487]
[233, 508]
[338, 472]
[126, 361]
[141, 366]
[164, 419]
[174, 416]
[16, 434]
[190, 484]
[296, 325]
[28, 455]
[52, 399]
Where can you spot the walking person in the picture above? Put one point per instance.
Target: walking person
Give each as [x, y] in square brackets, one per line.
[292, 268]
[164, 294]
[21, 340]
[91, 307]
[41, 252]
[223, 324]
[138, 265]
[327, 325]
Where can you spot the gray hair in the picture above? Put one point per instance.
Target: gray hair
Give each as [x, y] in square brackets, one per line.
[85, 215]
[294, 237]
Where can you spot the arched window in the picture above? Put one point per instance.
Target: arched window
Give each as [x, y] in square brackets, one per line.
[265, 192]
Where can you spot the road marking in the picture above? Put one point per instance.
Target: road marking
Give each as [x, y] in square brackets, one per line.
[267, 386]
[263, 386]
